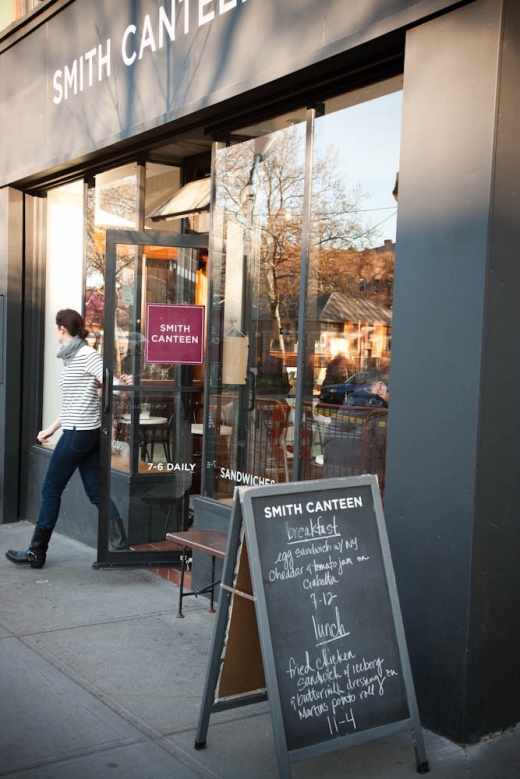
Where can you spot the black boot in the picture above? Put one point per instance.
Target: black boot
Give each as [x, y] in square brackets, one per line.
[35, 555]
[117, 538]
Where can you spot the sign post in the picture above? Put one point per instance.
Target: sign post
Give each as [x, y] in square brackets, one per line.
[326, 642]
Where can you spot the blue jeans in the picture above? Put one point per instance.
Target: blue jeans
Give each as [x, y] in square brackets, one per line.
[75, 449]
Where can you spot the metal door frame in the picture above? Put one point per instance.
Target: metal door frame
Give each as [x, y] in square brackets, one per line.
[114, 238]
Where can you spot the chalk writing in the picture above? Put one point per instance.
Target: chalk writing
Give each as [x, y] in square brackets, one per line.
[321, 556]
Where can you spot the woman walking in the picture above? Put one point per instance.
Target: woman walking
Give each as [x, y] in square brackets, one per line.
[78, 446]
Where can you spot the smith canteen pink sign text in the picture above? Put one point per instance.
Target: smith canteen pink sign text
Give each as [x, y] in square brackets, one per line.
[175, 334]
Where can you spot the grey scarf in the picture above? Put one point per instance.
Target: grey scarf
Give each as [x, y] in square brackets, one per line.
[68, 352]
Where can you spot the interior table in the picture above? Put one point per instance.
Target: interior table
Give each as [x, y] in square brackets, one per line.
[144, 423]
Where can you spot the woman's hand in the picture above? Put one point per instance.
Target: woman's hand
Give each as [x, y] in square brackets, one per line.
[126, 378]
[44, 435]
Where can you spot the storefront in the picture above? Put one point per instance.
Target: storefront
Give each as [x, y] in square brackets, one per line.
[251, 202]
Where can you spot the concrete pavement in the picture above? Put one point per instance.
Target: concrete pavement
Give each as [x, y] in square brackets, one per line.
[98, 678]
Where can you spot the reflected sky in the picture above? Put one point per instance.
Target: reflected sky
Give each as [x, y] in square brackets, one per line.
[368, 136]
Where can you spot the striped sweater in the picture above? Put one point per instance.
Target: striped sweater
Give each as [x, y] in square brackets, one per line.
[79, 382]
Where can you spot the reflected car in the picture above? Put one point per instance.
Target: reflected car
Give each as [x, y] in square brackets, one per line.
[336, 393]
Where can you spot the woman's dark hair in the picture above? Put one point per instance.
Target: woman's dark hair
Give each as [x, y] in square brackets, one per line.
[337, 370]
[72, 322]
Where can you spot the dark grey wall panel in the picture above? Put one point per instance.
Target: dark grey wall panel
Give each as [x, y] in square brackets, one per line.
[11, 271]
[434, 493]
[78, 518]
[24, 103]
[253, 43]
[493, 679]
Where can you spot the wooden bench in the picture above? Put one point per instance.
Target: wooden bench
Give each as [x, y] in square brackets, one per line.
[211, 542]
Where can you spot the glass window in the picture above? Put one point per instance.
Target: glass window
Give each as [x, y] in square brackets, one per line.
[255, 271]
[75, 271]
[348, 325]
[259, 250]
[64, 283]
[162, 182]
[171, 207]
[8, 13]
[112, 204]
[12, 10]
[151, 433]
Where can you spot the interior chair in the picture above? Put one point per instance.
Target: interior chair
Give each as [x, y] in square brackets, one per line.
[354, 441]
[312, 433]
[222, 430]
[162, 436]
[373, 446]
[172, 496]
[267, 451]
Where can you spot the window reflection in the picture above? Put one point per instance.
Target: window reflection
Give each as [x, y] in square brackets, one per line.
[350, 295]
[257, 261]
[13, 10]
[256, 266]
[64, 284]
[111, 205]
[169, 275]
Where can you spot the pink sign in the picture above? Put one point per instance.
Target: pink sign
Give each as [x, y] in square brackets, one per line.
[175, 333]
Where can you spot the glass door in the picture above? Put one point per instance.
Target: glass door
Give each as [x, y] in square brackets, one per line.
[153, 351]
[255, 292]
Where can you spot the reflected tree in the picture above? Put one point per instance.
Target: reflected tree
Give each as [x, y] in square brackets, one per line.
[108, 207]
[270, 197]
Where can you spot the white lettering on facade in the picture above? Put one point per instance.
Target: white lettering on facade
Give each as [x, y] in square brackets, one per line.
[204, 18]
[147, 38]
[128, 59]
[71, 79]
[227, 6]
[103, 61]
[186, 15]
[89, 58]
[244, 478]
[155, 32]
[166, 24]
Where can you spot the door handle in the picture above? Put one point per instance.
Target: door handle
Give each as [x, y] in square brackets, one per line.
[252, 374]
[107, 390]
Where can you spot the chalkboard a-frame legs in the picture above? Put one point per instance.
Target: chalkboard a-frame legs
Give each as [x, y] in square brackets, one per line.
[313, 558]
[235, 666]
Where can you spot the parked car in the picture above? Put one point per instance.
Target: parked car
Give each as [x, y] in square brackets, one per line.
[336, 393]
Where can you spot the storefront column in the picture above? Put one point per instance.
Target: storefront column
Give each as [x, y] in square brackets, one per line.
[452, 497]
[11, 289]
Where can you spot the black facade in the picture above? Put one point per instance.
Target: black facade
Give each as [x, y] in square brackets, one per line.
[83, 89]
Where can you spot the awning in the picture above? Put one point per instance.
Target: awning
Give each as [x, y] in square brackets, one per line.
[191, 199]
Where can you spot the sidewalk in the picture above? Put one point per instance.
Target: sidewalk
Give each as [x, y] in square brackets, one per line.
[98, 678]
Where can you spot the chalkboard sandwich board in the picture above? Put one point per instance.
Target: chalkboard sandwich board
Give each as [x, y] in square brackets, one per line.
[318, 583]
